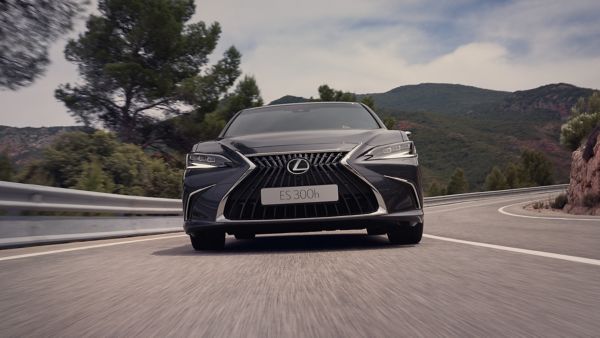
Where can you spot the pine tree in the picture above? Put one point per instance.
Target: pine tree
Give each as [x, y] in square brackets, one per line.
[458, 183]
[496, 180]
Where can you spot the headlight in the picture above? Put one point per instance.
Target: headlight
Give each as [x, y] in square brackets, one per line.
[390, 151]
[205, 161]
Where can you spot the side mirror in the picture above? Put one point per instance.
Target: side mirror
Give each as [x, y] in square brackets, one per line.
[408, 133]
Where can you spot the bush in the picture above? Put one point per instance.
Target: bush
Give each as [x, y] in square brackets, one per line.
[538, 205]
[559, 202]
[577, 129]
[495, 180]
[99, 162]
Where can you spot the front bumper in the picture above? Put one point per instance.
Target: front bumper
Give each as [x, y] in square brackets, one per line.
[396, 184]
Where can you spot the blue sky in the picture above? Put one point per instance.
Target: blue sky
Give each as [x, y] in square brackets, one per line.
[292, 47]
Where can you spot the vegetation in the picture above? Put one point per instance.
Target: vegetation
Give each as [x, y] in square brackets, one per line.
[532, 169]
[28, 27]
[99, 162]
[135, 71]
[496, 180]
[6, 169]
[327, 93]
[559, 202]
[585, 117]
[591, 200]
[458, 183]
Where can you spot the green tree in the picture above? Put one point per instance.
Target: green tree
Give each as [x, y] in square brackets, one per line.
[100, 162]
[536, 168]
[94, 178]
[390, 122]
[496, 180]
[139, 59]
[368, 101]
[515, 177]
[182, 132]
[458, 183]
[27, 28]
[6, 169]
[327, 93]
[435, 189]
[585, 118]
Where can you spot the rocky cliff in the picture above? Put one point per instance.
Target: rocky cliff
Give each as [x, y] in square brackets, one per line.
[584, 188]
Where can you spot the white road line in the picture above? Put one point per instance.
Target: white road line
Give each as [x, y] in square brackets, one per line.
[502, 211]
[477, 204]
[518, 250]
[42, 253]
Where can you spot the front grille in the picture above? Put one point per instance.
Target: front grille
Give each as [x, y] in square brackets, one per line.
[355, 196]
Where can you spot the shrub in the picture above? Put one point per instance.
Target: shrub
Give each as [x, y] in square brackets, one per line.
[559, 202]
[538, 205]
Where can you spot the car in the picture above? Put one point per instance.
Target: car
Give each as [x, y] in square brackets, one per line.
[303, 167]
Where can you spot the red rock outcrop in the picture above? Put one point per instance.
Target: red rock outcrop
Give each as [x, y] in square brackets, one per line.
[585, 179]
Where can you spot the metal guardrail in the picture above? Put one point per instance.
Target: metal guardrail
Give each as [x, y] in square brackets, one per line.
[18, 196]
[483, 194]
[32, 230]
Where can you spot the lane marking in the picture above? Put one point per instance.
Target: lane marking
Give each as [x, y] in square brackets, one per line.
[518, 250]
[502, 211]
[476, 204]
[42, 253]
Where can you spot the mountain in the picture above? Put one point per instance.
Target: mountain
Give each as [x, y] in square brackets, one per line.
[289, 99]
[476, 129]
[23, 145]
[436, 97]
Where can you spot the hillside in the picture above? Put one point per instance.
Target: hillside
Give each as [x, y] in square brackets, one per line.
[476, 129]
[436, 97]
[26, 144]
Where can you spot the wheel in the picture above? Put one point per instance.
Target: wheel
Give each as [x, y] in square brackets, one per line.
[208, 240]
[244, 235]
[406, 234]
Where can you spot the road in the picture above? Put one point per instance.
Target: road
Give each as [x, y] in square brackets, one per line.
[342, 284]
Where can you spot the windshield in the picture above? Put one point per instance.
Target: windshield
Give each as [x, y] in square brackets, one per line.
[301, 117]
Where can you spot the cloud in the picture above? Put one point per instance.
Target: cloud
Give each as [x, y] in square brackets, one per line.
[372, 46]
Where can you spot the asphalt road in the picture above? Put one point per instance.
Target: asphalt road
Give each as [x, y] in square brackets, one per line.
[342, 284]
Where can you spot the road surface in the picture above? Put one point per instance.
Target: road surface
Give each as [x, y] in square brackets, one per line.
[479, 272]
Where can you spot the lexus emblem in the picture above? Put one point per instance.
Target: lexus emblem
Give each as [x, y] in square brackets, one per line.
[298, 166]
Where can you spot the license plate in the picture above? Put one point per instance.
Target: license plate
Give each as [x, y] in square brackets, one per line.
[303, 194]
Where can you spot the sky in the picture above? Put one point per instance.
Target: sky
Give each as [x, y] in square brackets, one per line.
[371, 46]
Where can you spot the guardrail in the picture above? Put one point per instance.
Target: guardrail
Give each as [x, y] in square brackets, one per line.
[28, 230]
[18, 196]
[495, 193]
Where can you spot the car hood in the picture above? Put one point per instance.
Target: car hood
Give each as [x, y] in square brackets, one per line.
[318, 140]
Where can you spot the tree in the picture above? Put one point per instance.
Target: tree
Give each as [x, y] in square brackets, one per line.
[99, 162]
[93, 177]
[390, 122]
[368, 101]
[182, 132]
[245, 95]
[536, 168]
[585, 118]
[515, 177]
[435, 189]
[458, 183]
[6, 169]
[27, 28]
[496, 180]
[140, 61]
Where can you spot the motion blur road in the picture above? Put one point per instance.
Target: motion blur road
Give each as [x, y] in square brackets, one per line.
[323, 284]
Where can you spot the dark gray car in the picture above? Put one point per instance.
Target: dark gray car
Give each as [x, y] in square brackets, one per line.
[303, 167]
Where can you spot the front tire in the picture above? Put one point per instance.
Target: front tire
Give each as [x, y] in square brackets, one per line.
[406, 234]
[208, 240]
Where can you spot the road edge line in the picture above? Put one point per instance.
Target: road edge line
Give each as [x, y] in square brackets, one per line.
[576, 259]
